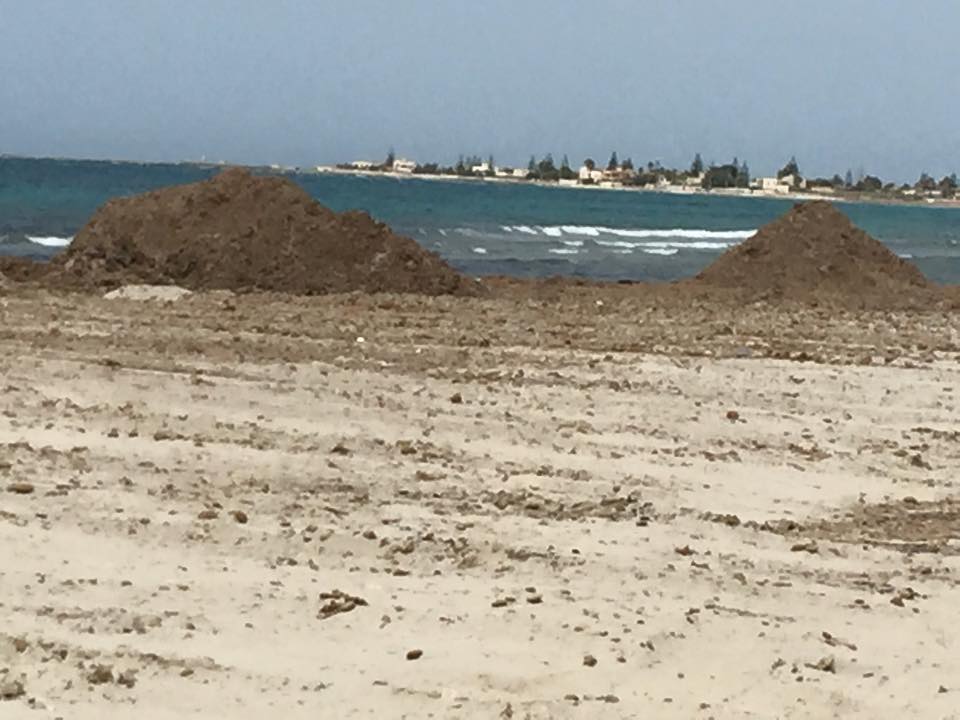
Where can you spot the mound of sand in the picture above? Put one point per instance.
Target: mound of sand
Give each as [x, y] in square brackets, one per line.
[815, 254]
[238, 231]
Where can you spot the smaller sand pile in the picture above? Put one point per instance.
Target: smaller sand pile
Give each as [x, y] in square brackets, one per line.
[238, 231]
[814, 254]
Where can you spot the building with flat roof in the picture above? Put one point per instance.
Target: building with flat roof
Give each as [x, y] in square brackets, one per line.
[402, 165]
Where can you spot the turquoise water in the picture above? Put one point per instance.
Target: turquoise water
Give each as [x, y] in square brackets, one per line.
[483, 228]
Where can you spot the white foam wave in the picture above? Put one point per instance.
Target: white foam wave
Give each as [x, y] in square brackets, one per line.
[663, 245]
[617, 243]
[682, 233]
[660, 251]
[480, 250]
[695, 238]
[563, 251]
[50, 241]
[635, 233]
[703, 245]
[573, 243]
[581, 230]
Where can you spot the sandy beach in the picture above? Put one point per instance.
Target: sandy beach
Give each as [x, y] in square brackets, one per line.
[591, 504]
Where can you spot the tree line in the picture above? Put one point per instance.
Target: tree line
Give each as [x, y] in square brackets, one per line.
[734, 174]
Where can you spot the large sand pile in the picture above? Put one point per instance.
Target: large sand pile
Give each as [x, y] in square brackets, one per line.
[237, 231]
[815, 254]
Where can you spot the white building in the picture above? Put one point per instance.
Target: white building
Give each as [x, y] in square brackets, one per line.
[520, 172]
[586, 176]
[481, 169]
[362, 165]
[402, 165]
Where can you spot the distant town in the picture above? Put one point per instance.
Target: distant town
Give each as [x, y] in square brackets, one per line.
[731, 178]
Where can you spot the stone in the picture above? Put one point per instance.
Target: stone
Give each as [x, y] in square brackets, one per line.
[11, 690]
[128, 678]
[100, 675]
[141, 293]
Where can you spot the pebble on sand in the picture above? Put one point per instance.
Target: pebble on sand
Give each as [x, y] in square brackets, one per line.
[11, 690]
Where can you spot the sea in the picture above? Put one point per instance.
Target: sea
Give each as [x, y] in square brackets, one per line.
[482, 228]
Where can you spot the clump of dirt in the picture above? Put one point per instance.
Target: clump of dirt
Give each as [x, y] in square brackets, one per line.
[815, 254]
[238, 231]
[18, 270]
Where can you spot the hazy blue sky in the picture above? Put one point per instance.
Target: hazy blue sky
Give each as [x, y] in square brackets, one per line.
[840, 83]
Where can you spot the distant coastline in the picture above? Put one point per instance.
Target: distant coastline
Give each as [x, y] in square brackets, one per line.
[799, 196]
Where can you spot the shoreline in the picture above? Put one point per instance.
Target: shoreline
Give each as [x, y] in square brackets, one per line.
[671, 190]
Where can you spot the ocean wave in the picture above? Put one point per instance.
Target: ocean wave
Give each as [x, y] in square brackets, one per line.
[688, 234]
[51, 241]
[661, 251]
[702, 245]
[480, 250]
[573, 243]
[469, 232]
[640, 233]
[617, 244]
[722, 238]
[588, 230]
[664, 245]
[563, 251]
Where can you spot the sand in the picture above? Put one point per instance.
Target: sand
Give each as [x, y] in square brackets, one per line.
[527, 506]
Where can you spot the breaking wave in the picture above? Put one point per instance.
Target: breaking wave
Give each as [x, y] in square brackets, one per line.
[56, 242]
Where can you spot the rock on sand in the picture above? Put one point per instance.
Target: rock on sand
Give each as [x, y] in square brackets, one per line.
[162, 293]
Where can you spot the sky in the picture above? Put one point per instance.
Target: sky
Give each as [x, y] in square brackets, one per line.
[871, 85]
